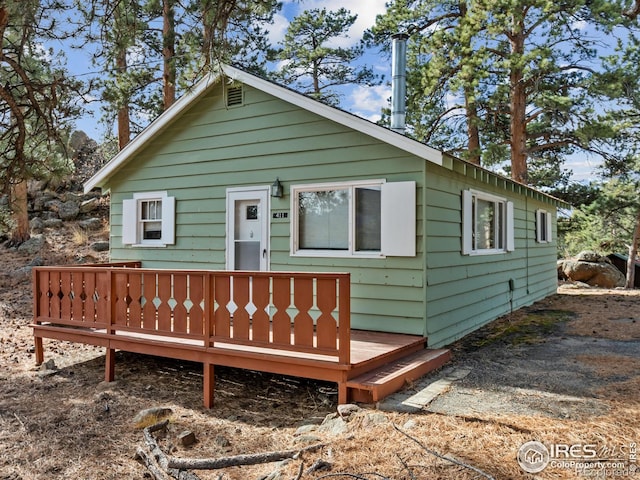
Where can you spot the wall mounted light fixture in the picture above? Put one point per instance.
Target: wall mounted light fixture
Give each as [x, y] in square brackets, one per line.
[276, 189]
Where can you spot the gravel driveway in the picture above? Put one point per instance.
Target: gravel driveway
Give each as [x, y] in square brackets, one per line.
[536, 364]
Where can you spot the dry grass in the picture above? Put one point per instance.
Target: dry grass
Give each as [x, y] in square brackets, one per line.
[70, 425]
[610, 314]
[80, 236]
[611, 365]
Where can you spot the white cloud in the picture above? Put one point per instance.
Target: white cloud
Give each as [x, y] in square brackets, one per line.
[579, 25]
[582, 167]
[277, 29]
[41, 51]
[136, 55]
[367, 102]
[366, 10]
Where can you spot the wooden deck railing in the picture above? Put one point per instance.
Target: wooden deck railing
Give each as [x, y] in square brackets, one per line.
[300, 312]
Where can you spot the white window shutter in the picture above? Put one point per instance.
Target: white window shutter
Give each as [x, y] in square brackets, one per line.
[511, 245]
[398, 219]
[169, 220]
[129, 222]
[549, 227]
[467, 220]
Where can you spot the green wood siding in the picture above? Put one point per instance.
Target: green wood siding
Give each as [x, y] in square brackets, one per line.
[439, 293]
[464, 292]
[211, 148]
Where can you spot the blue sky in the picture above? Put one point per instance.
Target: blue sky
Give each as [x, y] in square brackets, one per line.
[363, 101]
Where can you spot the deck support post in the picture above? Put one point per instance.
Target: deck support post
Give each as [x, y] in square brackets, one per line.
[110, 365]
[343, 395]
[39, 350]
[208, 384]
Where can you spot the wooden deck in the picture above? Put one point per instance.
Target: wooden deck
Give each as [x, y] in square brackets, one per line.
[290, 323]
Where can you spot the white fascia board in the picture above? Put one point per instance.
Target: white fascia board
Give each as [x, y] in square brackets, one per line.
[148, 133]
[364, 126]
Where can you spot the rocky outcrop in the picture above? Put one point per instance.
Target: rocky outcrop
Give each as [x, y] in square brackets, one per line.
[58, 203]
[591, 268]
[47, 205]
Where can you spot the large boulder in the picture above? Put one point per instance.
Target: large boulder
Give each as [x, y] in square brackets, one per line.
[593, 269]
[33, 246]
[69, 210]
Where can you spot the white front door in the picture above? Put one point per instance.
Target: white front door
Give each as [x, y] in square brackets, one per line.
[248, 228]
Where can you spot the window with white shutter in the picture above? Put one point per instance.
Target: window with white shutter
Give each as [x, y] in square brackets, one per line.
[148, 219]
[487, 224]
[543, 226]
[363, 218]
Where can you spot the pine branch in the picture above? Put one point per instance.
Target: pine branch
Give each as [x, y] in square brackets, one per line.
[442, 457]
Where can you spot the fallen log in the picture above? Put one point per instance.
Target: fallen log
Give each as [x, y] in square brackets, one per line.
[237, 460]
[156, 460]
[152, 465]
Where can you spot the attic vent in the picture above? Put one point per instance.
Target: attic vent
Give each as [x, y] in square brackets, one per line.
[234, 95]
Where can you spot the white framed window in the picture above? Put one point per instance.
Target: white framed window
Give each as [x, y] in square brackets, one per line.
[487, 223]
[148, 219]
[543, 226]
[363, 218]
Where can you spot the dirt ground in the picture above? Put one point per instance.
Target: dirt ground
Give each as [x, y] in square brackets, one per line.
[564, 371]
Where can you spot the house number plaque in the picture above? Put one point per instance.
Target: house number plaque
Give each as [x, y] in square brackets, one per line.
[280, 215]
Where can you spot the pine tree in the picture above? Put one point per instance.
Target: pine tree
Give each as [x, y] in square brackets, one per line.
[621, 82]
[145, 68]
[35, 106]
[311, 65]
[518, 71]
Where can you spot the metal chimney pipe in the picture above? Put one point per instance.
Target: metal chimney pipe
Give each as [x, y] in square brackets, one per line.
[398, 81]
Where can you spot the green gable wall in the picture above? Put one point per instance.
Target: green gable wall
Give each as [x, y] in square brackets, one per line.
[210, 148]
[464, 292]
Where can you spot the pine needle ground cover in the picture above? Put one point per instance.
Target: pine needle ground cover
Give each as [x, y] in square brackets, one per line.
[63, 422]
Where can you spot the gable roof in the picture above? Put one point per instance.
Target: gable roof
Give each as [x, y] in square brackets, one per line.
[331, 113]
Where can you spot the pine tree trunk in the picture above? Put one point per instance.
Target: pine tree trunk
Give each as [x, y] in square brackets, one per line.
[471, 106]
[518, 107]
[633, 253]
[518, 129]
[472, 129]
[20, 214]
[168, 54]
[121, 44]
[124, 126]
[208, 31]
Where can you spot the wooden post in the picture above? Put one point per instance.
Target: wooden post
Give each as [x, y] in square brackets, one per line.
[208, 308]
[343, 396]
[208, 378]
[39, 350]
[110, 360]
[344, 318]
[208, 384]
[36, 313]
[110, 365]
[111, 300]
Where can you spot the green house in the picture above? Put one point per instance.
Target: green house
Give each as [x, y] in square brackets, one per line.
[243, 174]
